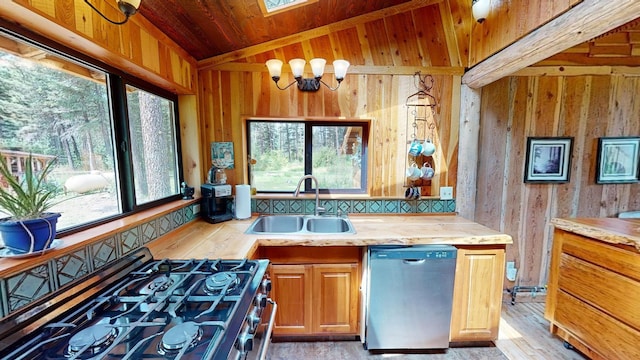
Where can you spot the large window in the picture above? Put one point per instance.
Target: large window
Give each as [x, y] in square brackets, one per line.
[153, 145]
[281, 152]
[113, 139]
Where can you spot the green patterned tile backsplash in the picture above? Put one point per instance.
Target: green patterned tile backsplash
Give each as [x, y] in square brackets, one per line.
[43, 278]
[372, 206]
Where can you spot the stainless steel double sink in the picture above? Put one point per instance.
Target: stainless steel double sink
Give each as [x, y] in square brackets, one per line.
[301, 224]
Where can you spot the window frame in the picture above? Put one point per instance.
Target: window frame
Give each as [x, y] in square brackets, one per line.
[309, 123]
[115, 83]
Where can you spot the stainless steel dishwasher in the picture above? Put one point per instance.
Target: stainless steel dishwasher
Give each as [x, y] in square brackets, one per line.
[410, 292]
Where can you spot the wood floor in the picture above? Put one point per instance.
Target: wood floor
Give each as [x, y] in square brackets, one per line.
[524, 334]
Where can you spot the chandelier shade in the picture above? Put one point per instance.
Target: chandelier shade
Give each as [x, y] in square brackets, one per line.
[480, 9]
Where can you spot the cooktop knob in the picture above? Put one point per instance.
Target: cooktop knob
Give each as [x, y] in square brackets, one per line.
[254, 320]
[266, 285]
[261, 300]
[245, 342]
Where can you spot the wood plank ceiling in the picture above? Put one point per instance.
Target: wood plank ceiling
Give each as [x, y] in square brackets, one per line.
[206, 28]
[219, 31]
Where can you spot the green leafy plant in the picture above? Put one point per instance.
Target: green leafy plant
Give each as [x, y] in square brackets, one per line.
[28, 197]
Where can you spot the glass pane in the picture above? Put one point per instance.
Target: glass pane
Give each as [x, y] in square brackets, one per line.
[153, 145]
[57, 109]
[273, 5]
[337, 156]
[278, 151]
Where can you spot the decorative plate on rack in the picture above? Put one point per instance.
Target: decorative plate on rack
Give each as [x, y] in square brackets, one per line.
[6, 252]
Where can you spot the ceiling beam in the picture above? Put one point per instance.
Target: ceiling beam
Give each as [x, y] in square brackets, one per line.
[353, 69]
[313, 33]
[578, 71]
[579, 24]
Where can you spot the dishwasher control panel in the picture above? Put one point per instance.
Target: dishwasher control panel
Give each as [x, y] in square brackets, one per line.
[414, 252]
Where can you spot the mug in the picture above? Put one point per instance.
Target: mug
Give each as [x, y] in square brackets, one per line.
[412, 193]
[416, 148]
[427, 171]
[408, 194]
[428, 148]
[413, 172]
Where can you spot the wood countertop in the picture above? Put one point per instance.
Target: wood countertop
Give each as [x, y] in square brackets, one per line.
[611, 230]
[200, 239]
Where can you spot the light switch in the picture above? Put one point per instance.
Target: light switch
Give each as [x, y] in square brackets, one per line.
[446, 193]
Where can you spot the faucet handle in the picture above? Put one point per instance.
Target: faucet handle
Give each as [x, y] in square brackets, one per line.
[320, 210]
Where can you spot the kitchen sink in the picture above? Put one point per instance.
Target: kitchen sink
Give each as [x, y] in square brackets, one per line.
[300, 224]
[328, 225]
[277, 224]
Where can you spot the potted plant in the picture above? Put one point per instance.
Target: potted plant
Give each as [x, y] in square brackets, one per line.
[30, 228]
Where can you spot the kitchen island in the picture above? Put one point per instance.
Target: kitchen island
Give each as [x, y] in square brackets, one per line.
[312, 266]
[594, 286]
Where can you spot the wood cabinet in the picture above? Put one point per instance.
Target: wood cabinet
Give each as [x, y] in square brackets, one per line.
[477, 294]
[317, 289]
[291, 289]
[593, 292]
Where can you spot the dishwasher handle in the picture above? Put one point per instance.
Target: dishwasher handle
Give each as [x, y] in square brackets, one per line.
[413, 261]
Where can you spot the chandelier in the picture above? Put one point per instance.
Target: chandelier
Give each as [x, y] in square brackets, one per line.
[308, 84]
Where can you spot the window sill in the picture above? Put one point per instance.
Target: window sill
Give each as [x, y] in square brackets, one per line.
[76, 241]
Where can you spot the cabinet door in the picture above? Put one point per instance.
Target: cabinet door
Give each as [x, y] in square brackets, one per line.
[335, 298]
[291, 290]
[477, 294]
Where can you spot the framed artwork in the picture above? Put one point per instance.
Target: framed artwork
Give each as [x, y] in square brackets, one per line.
[618, 160]
[222, 155]
[548, 159]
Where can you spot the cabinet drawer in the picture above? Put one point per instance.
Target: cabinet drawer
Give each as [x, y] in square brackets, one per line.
[613, 293]
[619, 258]
[311, 254]
[607, 336]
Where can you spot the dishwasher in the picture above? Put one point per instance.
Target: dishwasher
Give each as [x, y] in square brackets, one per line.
[409, 297]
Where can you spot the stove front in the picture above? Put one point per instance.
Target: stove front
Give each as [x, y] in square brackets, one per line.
[150, 309]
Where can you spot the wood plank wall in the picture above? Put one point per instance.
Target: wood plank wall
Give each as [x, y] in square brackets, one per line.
[136, 47]
[514, 108]
[228, 97]
[508, 21]
[380, 51]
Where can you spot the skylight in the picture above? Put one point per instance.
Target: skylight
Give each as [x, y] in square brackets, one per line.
[270, 7]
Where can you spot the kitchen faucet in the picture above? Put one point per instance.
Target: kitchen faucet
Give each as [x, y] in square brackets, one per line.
[319, 208]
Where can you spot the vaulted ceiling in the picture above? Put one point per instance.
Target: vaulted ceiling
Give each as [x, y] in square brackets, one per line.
[206, 28]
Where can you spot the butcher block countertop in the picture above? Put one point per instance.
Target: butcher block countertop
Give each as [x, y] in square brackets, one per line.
[200, 239]
[610, 230]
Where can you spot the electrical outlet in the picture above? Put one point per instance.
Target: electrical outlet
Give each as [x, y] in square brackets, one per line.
[196, 209]
[511, 270]
[446, 193]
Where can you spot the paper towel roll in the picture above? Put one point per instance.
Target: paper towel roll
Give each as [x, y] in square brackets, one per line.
[243, 201]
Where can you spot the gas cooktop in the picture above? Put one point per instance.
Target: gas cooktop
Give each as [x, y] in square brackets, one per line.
[142, 308]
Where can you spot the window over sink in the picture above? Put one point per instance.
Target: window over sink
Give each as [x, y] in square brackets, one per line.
[114, 138]
[282, 151]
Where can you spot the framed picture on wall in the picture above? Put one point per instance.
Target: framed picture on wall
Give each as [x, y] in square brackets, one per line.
[618, 160]
[222, 155]
[548, 159]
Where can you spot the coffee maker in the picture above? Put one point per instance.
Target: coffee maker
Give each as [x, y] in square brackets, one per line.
[216, 202]
[216, 197]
